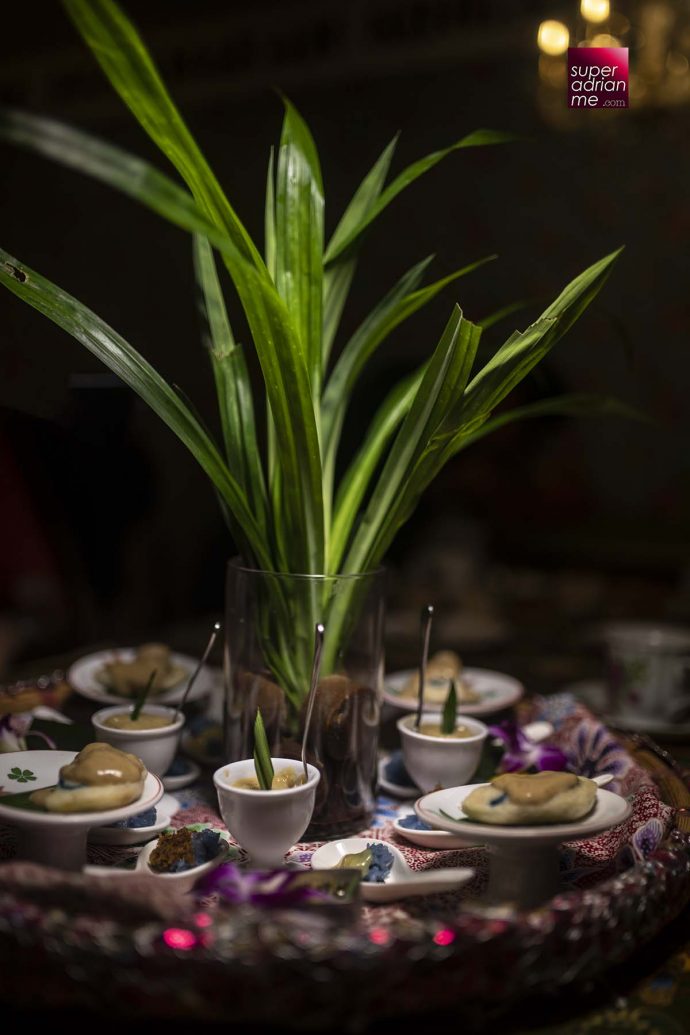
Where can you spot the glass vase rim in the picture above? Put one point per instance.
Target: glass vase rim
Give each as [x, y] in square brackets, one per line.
[239, 565]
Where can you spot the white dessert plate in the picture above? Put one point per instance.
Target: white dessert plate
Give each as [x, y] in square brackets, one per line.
[177, 782]
[401, 882]
[426, 838]
[110, 835]
[83, 676]
[55, 838]
[496, 691]
[443, 809]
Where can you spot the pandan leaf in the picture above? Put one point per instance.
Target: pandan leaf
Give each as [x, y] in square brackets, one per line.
[449, 709]
[262, 754]
[141, 699]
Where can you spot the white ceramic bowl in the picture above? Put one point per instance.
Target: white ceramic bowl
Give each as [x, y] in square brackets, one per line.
[156, 748]
[265, 823]
[435, 762]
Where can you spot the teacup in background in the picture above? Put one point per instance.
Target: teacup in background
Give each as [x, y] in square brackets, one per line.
[648, 670]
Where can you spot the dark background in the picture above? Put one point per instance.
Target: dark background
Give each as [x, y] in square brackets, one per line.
[108, 530]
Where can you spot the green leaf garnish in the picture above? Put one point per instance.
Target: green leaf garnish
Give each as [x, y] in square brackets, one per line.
[139, 703]
[447, 815]
[450, 709]
[262, 754]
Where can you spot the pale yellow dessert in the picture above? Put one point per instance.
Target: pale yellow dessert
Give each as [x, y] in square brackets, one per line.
[100, 777]
[433, 729]
[441, 668]
[128, 678]
[143, 721]
[521, 799]
[287, 777]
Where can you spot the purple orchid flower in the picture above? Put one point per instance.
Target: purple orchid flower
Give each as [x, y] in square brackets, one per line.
[274, 889]
[14, 729]
[520, 752]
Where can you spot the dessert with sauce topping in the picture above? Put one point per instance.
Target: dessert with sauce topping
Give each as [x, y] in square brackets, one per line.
[521, 799]
[129, 678]
[100, 777]
[442, 668]
[143, 721]
[283, 779]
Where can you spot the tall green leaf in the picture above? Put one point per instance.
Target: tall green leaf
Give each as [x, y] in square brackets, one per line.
[479, 138]
[338, 277]
[444, 379]
[135, 371]
[119, 50]
[233, 387]
[575, 404]
[356, 480]
[125, 60]
[299, 237]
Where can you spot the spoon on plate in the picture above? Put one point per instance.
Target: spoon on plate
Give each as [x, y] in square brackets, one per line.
[400, 882]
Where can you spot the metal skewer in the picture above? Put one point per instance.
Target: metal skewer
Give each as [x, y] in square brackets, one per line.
[319, 633]
[425, 629]
[197, 670]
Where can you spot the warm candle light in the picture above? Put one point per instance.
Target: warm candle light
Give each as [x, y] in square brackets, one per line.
[553, 37]
[603, 39]
[595, 10]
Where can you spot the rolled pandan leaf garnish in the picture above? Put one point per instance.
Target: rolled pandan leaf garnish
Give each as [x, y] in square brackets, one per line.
[449, 709]
[141, 699]
[262, 755]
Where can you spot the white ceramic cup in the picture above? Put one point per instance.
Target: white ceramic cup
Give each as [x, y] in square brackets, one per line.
[648, 670]
[156, 747]
[436, 762]
[265, 823]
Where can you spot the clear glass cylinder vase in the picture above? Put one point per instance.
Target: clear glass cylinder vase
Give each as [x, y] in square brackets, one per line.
[270, 623]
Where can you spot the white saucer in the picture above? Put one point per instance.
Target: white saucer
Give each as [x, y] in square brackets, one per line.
[426, 838]
[523, 860]
[57, 838]
[82, 675]
[496, 690]
[109, 835]
[609, 810]
[176, 783]
[401, 882]
[397, 790]
[593, 694]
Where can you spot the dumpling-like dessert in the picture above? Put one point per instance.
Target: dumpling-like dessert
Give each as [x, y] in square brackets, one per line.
[128, 678]
[441, 668]
[100, 777]
[521, 799]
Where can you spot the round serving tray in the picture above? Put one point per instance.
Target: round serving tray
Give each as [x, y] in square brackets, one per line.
[305, 968]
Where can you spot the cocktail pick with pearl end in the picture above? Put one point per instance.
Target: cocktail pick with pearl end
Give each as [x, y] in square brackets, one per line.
[319, 633]
[425, 629]
[197, 670]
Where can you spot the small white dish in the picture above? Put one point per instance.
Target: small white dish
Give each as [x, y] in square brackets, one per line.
[266, 823]
[425, 838]
[397, 790]
[523, 859]
[180, 780]
[110, 835]
[435, 761]
[155, 747]
[56, 838]
[83, 676]
[496, 690]
[182, 882]
[401, 882]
